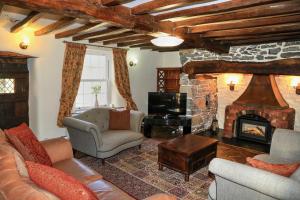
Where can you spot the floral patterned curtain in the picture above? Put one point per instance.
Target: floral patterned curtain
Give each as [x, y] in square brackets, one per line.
[122, 77]
[71, 76]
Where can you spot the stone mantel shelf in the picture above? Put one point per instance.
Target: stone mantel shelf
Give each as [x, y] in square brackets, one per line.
[289, 66]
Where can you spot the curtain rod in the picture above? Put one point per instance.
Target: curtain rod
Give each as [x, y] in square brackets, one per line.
[93, 45]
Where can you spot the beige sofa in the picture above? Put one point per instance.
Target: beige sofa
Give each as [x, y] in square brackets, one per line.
[89, 133]
[15, 183]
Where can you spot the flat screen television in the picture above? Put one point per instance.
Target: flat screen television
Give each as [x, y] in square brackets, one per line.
[167, 103]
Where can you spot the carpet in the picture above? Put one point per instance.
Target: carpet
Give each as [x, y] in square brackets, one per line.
[135, 171]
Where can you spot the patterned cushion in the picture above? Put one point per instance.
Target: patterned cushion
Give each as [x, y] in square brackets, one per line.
[27, 144]
[281, 169]
[119, 120]
[59, 183]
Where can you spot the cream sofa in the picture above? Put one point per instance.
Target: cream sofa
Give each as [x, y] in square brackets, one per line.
[243, 182]
[89, 133]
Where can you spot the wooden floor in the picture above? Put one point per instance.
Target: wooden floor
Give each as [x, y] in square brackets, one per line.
[233, 153]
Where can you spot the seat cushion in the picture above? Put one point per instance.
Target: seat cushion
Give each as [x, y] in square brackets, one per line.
[78, 170]
[296, 175]
[212, 191]
[113, 138]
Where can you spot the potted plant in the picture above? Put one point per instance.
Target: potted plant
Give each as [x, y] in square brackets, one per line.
[96, 90]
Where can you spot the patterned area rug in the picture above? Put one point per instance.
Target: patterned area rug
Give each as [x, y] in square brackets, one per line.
[136, 172]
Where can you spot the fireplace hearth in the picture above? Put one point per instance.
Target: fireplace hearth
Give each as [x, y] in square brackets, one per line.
[255, 128]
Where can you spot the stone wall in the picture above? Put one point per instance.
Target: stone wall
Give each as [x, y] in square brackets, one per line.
[251, 53]
[202, 101]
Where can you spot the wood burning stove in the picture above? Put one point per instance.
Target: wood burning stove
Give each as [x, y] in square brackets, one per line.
[255, 128]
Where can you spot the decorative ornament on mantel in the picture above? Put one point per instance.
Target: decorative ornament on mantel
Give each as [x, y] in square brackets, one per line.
[167, 41]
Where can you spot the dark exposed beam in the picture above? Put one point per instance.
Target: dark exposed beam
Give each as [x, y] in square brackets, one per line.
[243, 37]
[159, 5]
[112, 36]
[1, 7]
[279, 67]
[214, 8]
[90, 9]
[147, 44]
[261, 40]
[286, 7]
[96, 33]
[114, 2]
[245, 23]
[64, 22]
[31, 18]
[127, 39]
[130, 43]
[75, 31]
[255, 30]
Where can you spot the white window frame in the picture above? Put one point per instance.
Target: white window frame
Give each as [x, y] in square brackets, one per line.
[99, 52]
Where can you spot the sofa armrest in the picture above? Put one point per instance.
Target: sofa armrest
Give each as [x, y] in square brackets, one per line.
[254, 179]
[136, 119]
[58, 149]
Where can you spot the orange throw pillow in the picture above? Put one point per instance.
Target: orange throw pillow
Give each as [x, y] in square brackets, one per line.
[281, 169]
[59, 183]
[119, 120]
[27, 144]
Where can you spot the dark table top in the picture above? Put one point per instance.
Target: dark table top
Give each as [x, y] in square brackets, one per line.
[188, 144]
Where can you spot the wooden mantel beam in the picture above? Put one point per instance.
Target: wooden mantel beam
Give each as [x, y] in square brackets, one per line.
[279, 67]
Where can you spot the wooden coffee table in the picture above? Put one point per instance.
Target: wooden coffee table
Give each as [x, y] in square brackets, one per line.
[187, 154]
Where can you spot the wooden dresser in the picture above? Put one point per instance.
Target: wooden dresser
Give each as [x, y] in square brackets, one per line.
[168, 79]
[14, 89]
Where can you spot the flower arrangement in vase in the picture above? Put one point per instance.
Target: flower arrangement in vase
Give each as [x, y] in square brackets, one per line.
[96, 90]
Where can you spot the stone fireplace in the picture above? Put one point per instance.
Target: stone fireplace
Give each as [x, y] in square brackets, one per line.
[263, 102]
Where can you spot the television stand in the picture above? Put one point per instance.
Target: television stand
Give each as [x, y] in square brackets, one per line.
[167, 120]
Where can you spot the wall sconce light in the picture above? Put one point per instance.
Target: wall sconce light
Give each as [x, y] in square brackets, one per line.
[133, 62]
[231, 86]
[25, 43]
[232, 80]
[296, 84]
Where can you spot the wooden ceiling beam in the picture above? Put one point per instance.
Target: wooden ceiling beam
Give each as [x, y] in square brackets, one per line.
[147, 44]
[114, 2]
[75, 31]
[112, 36]
[214, 8]
[96, 33]
[281, 8]
[127, 39]
[255, 30]
[130, 43]
[159, 5]
[242, 37]
[90, 9]
[63, 22]
[264, 40]
[247, 23]
[30, 19]
[1, 7]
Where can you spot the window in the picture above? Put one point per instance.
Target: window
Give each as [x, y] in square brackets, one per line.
[7, 86]
[95, 73]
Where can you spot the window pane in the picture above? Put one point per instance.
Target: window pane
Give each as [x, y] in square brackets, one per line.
[95, 67]
[7, 86]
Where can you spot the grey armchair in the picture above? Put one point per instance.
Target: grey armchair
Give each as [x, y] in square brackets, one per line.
[243, 182]
[89, 133]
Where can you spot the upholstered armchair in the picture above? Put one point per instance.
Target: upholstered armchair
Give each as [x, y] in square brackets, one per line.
[89, 133]
[243, 182]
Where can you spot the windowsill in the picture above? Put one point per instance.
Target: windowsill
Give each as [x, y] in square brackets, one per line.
[83, 109]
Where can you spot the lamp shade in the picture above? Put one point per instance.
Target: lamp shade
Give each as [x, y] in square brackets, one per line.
[167, 41]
